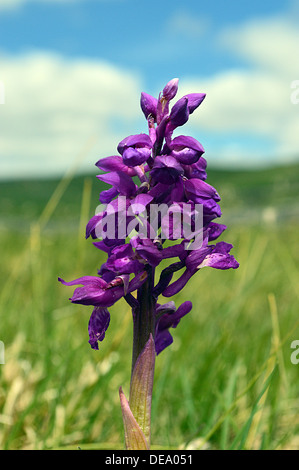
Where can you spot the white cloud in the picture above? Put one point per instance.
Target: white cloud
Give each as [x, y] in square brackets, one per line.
[255, 101]
[184, 23]
[271, 44]
[13, 4]
[53, 107]
[9, 5]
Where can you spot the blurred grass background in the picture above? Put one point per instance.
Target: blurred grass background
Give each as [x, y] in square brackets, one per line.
[227, 381]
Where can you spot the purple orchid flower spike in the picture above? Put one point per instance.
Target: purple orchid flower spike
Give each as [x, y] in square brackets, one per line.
[155, 185]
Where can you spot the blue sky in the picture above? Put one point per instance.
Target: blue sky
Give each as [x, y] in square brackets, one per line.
[73, 71]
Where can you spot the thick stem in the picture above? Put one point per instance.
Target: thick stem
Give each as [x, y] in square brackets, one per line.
[143, 317]
[141, 391]
[143, 357]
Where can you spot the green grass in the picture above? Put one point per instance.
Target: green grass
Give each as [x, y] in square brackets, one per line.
[227, 381]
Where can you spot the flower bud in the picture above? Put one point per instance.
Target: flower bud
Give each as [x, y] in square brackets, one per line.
[179, 114]
[170, 89]
[148, 105]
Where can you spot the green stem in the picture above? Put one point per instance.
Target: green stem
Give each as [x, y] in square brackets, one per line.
[143, 317]
[143, 356]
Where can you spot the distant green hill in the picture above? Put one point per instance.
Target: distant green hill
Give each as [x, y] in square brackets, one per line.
[243, 193]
